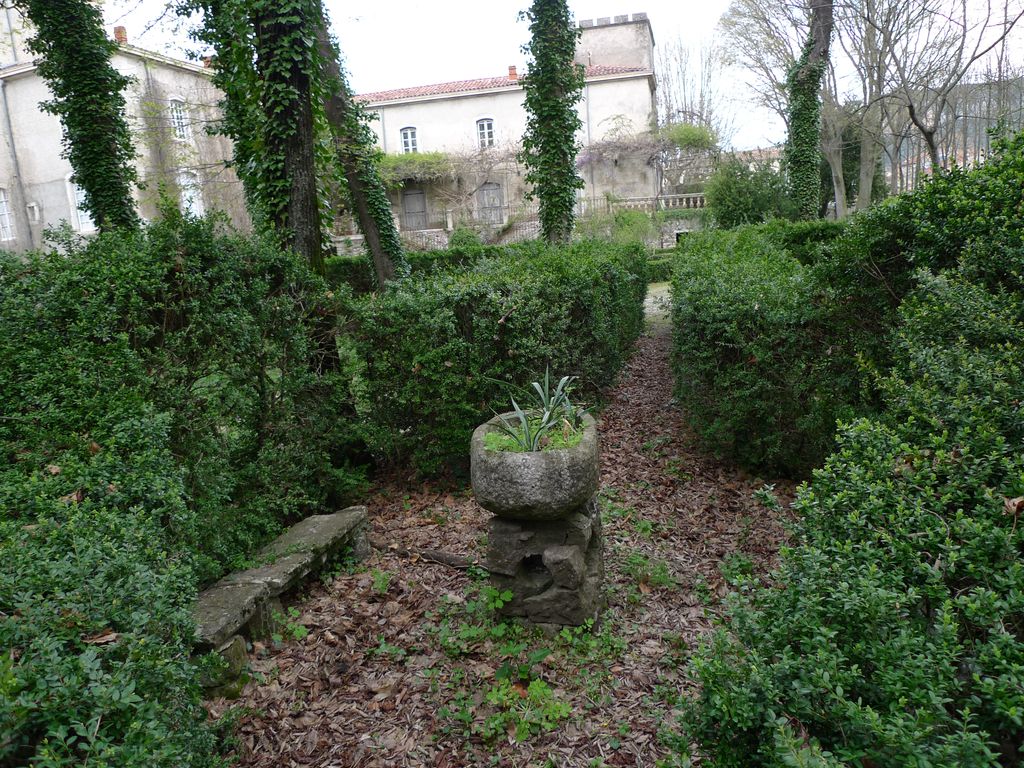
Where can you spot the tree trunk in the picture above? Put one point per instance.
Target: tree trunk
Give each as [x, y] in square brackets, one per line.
[833, 152]
[933, 150]
[822, 22]
[803, 149]
[298, 221]
[928, 135]
[306, 235]
[871, 130]
[356, 166]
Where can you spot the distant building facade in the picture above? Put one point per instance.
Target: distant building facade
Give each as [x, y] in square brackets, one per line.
[169, 106]
[478, 125]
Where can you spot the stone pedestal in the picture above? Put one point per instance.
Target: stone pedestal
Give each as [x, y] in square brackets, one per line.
[544, 542]
[553, 568]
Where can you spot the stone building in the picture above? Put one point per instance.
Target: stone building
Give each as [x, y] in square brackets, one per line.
[451, 146]
[469, 131]
[169, 104]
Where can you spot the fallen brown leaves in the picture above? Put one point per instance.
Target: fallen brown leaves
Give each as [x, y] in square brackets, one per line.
[366, 687]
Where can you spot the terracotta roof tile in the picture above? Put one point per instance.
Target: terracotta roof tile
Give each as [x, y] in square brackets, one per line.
[480, 84]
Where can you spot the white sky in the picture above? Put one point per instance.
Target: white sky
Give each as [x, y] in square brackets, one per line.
[397, 43]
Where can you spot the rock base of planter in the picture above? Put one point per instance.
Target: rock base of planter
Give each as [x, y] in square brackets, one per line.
[553, 568]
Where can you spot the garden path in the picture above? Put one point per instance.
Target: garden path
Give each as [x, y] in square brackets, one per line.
[371, 684]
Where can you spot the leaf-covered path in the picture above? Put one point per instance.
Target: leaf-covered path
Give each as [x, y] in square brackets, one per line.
[401, 666]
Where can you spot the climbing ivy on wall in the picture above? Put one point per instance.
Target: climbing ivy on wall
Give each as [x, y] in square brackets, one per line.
[554, 84]
[88, 97]
[803, 148]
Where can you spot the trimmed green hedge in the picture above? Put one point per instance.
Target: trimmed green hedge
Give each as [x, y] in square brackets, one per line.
[170, 399]
[778, 324]
[442, 350]
[659, 270]
[173, 397]
[803, 240]
[356, 272]
[757, 372]
[895, 632]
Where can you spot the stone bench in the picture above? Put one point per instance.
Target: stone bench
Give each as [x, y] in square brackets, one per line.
[241, 599]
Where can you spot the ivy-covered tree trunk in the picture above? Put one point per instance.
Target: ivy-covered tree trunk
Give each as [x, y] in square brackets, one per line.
[803, 149]
[286, 60]
[88, 97]
[553, 86]
[354, 141]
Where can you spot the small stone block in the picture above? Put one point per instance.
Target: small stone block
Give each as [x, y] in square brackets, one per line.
[604, 21]
[223, 609]
[639, 17]
[510, 542]
[569, 607]
[233, 653]
[566, 565]
[360, 544]
[622, 19]
[280, 576]
[323, 535]
[267, 620]
[526, 585]
[586, 23]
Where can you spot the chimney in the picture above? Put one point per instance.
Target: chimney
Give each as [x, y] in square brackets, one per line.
[512, 74]
[209, 61]
[121, 35]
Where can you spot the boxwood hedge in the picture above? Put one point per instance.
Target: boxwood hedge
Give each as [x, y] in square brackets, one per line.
[170, 399]
[780, 326]
[758, 370]
[893, 635]
[355, 272]
[442, 350]
[894, 632]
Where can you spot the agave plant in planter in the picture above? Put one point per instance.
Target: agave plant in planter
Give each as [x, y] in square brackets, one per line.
[539, 463]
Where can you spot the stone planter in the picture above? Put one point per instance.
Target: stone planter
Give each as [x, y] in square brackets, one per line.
[544, 542]
[538, 485]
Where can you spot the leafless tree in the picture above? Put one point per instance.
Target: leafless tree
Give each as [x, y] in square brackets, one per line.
[765, 37]
[930, 46]
[858, 23]
[834, 121]
[689, 83]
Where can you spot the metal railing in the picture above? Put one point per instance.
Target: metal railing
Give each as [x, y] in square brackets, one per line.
[498, 217]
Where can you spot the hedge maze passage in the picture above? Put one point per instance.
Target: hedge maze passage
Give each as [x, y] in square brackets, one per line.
[406, 663]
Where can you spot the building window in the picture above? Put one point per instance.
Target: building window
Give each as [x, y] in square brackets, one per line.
[82, 219]
[6, 224]
[179, 120]
[409, 140]
[485, 132]
[191, 193]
